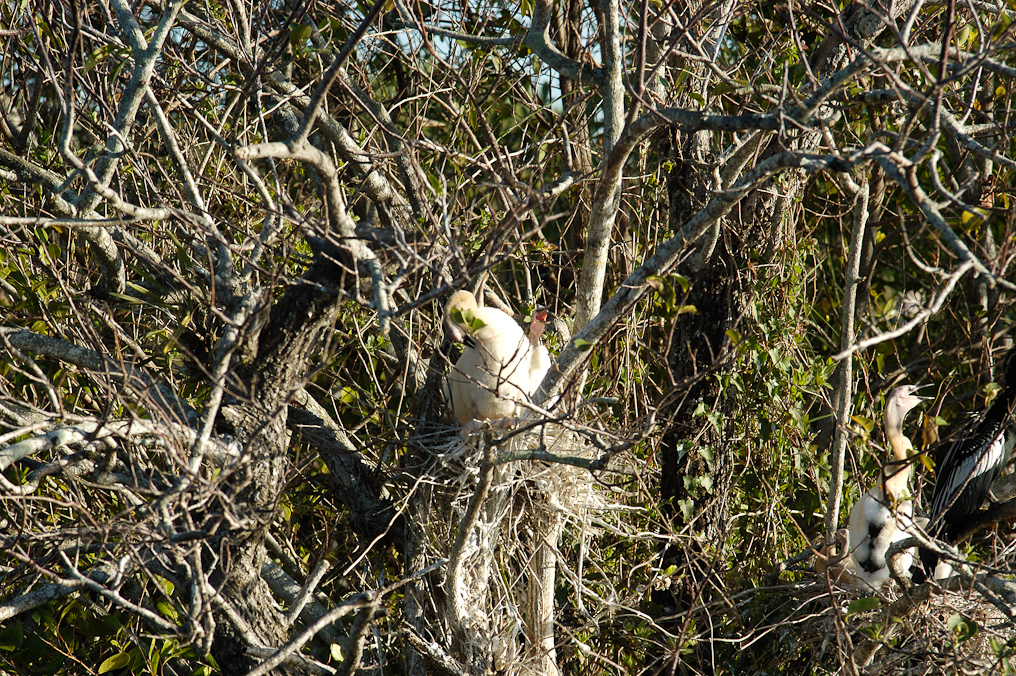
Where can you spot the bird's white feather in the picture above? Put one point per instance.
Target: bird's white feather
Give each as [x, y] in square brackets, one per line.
[499, 367]
[873, 529]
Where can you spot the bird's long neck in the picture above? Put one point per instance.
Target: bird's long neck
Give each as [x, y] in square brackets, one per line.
[1008, 393]
[897, 473]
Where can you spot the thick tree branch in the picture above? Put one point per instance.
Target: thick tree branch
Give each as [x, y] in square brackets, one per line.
[152, 393]
[604, 213]
[844, 390]
[538, 40]
[669, 252]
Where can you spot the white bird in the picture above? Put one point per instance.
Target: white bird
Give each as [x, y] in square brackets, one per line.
[885, 514]
[499, 364]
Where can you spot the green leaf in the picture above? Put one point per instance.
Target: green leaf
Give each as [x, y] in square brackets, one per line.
[166, 609]
[963, 36]
[582, 345]
[721, 89]
[972, 217]
[299, 34]
[336, 651]
[165, 585]
[118, 661]
[687, 508]
[467, 319]
[707, 454]
[863, 605]
[867, 423]
[665, 291]
[961, 627]
[11, 637]
[97, 56]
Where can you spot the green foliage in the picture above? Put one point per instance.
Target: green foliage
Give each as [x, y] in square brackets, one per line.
[487, 128]
[468, 320]
[60, 636]
[863, 605]
[963, 629]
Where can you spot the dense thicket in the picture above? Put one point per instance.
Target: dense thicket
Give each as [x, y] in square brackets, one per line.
[228, 230]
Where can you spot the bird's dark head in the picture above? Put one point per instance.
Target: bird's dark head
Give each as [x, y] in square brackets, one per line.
[1009, 368]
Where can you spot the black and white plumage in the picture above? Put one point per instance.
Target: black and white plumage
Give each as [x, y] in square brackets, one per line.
[885, 514]
[972, 463]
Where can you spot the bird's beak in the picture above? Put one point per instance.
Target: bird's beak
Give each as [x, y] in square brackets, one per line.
[923, 398]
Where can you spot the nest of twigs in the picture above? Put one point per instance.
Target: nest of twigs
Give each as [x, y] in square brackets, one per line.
[526, 505]
[825, 626]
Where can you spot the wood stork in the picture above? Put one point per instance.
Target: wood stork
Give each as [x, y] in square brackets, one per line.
[885, 513]
[500, 365]
[972, 463]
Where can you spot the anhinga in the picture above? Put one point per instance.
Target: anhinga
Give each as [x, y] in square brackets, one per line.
[500, 365]
[972, 463]
[885, 513]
